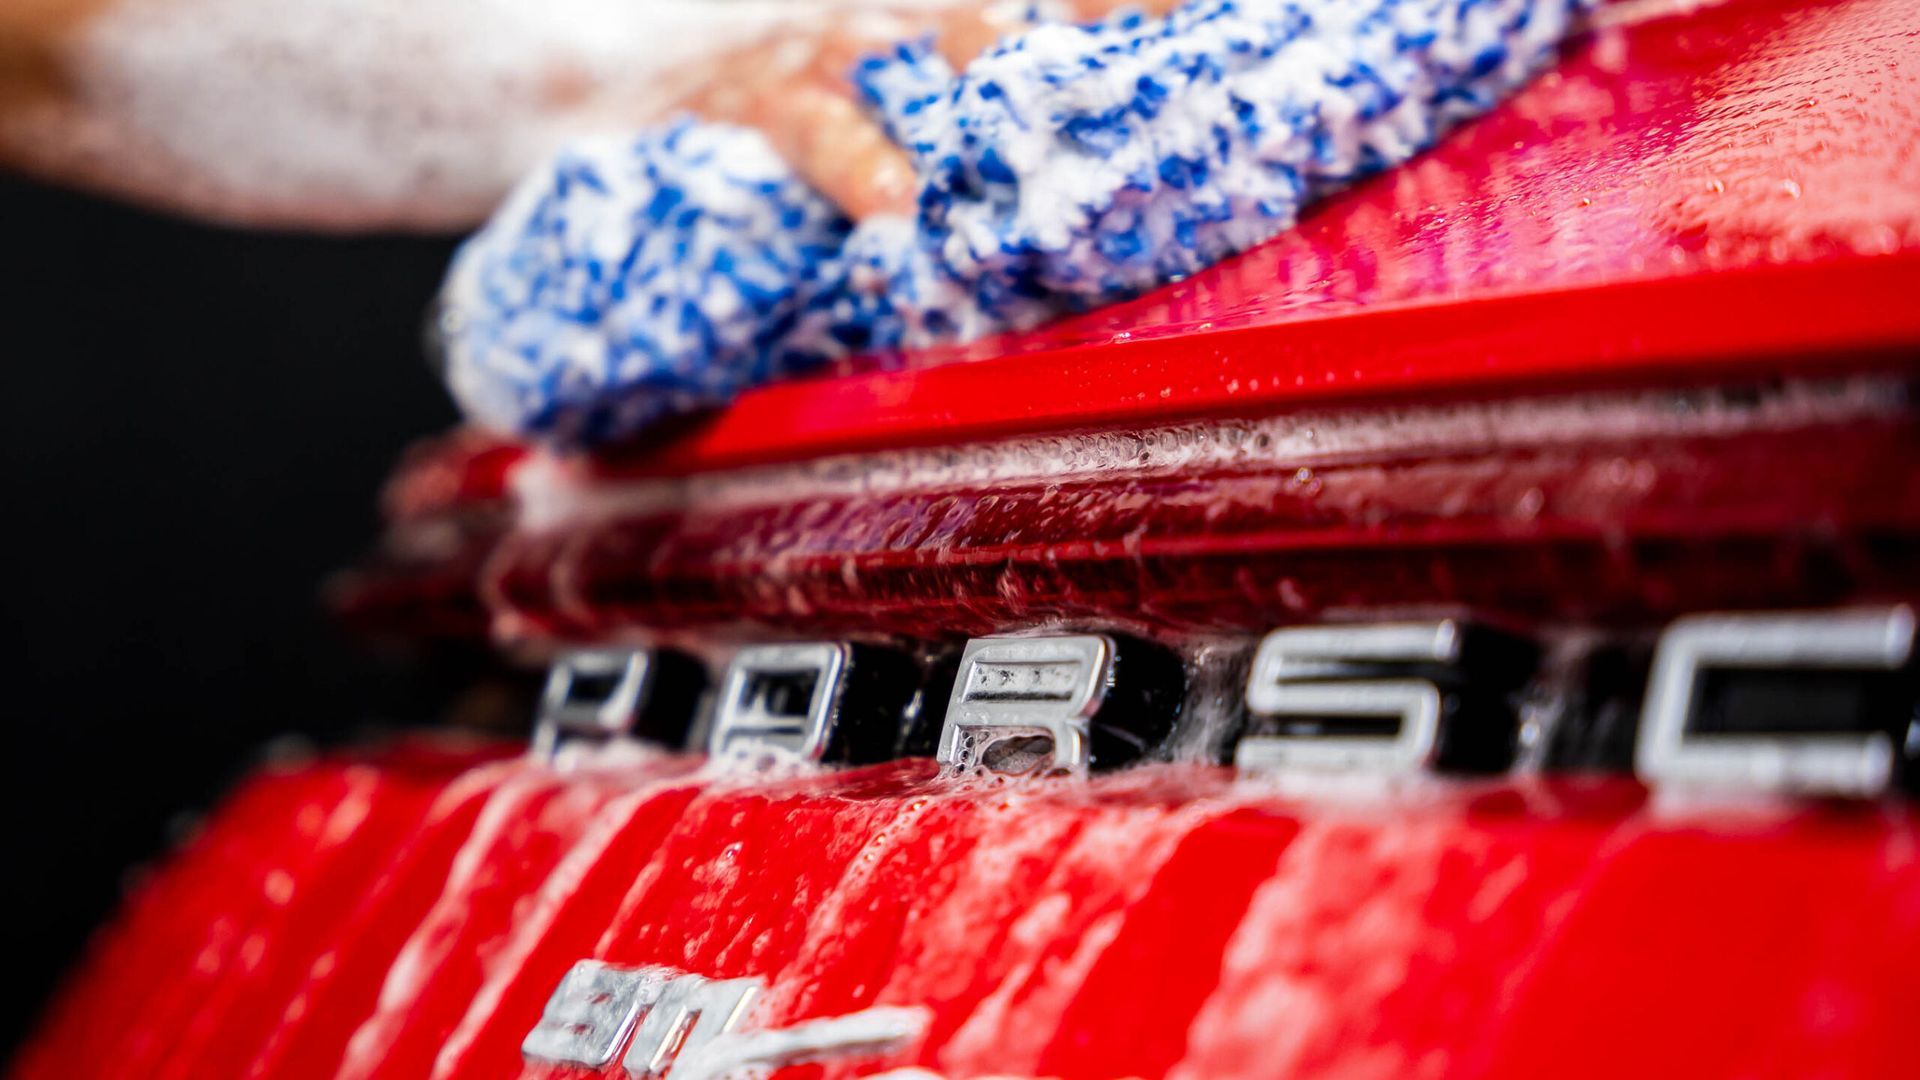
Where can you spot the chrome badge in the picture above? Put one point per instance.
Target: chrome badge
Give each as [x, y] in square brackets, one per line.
[783, 698]
[598, 696]
[1809, 703]
[694, 1026]
[1024, 696]
[824, 702]
[1383, 699]
[1290, 679]
[592, 694]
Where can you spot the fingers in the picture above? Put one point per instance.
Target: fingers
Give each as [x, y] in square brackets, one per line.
[848, 157]
[796, 91]
[32, 33]
[964, 32]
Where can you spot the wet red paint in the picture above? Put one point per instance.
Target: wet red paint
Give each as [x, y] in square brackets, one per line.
[211, 954]
[466, 470]
[1619, 525]
[1168, 921]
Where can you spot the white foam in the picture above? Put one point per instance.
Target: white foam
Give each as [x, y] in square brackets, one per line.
[553, 491]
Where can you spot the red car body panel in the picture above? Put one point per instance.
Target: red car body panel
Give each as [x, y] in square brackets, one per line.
[1726, 197]
[1168, 921]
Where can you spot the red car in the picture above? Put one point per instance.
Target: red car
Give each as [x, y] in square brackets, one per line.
[1470, 635]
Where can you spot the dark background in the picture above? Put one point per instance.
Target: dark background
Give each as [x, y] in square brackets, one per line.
[196, 423]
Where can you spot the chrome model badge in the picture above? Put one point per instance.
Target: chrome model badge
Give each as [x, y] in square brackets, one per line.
[1034, 694]
[1304, 672]
[782, 697]
[591, 694]
[1810, 703]
[693, 1025]
[1384, 699]
[1074, 704]
[823, 702]
[598, 696]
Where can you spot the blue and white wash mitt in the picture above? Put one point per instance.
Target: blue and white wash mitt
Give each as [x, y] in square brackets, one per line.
[1067, 167]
